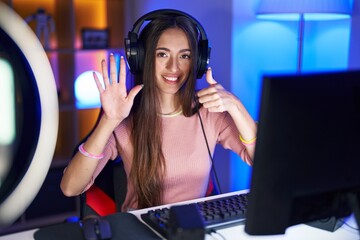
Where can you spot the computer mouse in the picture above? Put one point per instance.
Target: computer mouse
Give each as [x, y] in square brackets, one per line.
[96, 228]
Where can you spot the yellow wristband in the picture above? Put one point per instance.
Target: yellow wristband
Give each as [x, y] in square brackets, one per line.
[247, 141]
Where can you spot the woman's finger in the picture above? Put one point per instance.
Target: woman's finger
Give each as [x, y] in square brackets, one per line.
[105, 73]
[122, 74]
[209, 77]
[113, 70]
[98, 84]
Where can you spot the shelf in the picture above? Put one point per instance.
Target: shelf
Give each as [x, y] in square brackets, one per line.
[77, 50]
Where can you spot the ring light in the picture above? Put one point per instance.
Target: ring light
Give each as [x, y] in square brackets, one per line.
[15, 201]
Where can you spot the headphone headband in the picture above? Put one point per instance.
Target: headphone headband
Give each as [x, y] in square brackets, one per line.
[135, 52]
[152, 15]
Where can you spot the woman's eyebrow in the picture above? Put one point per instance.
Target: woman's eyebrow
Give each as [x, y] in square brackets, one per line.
[168, 50]
[163, 48]
[185, 50]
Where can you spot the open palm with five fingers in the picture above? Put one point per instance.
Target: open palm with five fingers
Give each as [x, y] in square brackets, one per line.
[116, 101]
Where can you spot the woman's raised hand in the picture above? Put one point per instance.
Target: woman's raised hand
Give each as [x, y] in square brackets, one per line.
[215, 98]
[115, 100]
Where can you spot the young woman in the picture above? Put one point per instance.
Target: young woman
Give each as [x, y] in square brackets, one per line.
[156, 127]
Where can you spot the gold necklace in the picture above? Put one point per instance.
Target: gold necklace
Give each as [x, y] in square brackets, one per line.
[171, 114]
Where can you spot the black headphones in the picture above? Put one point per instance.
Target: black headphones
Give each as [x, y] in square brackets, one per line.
[135, 52]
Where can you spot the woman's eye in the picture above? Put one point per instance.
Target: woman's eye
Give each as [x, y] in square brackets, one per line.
[161, 54]
[186, 56]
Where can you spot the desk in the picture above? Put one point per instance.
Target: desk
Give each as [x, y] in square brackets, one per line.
[297, 232]
[25, 235]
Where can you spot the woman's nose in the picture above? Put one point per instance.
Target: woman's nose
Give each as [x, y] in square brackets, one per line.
[173, 64]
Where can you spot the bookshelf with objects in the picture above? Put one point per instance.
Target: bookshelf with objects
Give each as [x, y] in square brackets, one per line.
[80, 34]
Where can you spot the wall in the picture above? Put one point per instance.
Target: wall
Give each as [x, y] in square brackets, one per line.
[270, 47]
[354, 50]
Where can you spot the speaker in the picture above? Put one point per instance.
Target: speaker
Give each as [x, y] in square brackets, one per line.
[135, 51]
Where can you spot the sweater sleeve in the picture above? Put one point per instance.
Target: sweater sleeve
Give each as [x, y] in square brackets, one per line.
[229, 137]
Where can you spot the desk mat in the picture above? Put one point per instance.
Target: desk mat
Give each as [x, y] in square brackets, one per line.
[123, 226]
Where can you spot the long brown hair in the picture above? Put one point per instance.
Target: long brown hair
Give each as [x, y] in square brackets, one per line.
[148, 165]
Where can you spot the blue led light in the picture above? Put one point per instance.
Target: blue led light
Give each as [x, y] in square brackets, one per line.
[86, 92]
[307, 16]
[280, 16]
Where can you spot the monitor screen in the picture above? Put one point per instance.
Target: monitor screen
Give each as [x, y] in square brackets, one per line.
[307, 156]
[28, 116]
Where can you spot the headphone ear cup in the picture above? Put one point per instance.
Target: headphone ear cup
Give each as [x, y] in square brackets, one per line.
[132, 52]
[203, 58]
[141, 57]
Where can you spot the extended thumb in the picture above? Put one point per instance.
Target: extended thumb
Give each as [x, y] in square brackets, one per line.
[209, 76]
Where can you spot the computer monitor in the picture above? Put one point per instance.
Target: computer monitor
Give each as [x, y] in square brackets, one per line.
[307, 157]
[28, 116]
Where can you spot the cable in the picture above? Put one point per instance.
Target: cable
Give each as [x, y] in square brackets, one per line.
[208, 148]
[345, 223]
[210, 234]
[217, 233]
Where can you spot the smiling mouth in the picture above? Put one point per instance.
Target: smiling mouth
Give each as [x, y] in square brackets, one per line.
[171, 79]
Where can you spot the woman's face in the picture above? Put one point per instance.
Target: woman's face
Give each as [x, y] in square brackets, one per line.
[172, 60]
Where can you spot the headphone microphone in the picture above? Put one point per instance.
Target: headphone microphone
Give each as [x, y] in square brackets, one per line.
[135, 51]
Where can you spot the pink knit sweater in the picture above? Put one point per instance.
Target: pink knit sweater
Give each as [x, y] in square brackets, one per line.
[187, 160]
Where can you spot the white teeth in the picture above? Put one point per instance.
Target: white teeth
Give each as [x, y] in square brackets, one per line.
[171, 78]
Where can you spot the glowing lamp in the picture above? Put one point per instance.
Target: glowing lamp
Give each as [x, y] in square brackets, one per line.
[303, 10]
[86, 92]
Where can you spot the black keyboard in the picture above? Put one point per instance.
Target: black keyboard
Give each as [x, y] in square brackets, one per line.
[215, 213]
